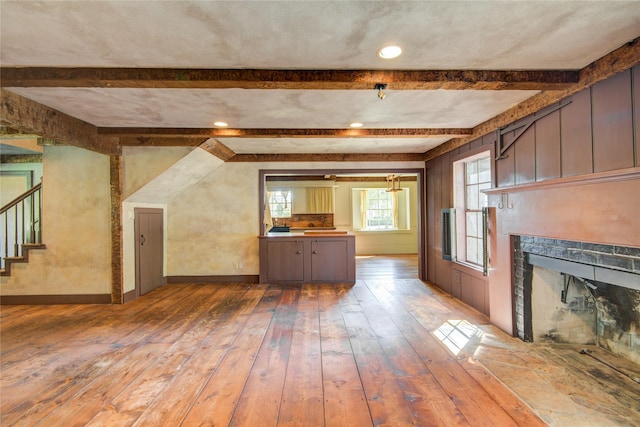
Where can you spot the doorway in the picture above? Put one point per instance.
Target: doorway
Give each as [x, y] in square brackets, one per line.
[357, 175]
[148, 225]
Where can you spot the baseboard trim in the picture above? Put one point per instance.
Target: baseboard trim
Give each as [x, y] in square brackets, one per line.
[248, 278]
[55, 299]
[129, 296]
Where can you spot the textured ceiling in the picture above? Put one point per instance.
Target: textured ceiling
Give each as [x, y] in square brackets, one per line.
[304, 35]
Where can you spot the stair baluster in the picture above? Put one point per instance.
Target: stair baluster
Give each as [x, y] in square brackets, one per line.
[22, 218]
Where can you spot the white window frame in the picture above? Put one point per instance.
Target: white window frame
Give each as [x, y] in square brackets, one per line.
[288, 201]
[383, 213]
[404, 211]
[460, 187]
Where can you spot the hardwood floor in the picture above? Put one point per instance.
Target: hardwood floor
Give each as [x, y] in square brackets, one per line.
[387, 351]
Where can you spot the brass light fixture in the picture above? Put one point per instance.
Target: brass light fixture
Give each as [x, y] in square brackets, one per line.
[380, 87]
[393, 183]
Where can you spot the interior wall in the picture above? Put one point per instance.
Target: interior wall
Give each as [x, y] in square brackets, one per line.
[598, 132]
[459, 280]
[76, 229]
[213, 226]
[143, 164]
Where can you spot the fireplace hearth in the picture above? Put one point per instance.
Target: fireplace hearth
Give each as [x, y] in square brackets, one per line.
[577, 293]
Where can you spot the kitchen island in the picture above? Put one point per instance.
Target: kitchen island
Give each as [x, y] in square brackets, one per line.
[319, 256]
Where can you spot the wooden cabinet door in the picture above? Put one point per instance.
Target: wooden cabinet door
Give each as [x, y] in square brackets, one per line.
[285, 260]
[329, 261]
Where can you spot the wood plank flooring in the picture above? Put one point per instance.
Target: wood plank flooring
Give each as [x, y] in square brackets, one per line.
[388, 351]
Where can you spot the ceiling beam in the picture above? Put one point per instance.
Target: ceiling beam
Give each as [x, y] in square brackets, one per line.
[287, 79]
[613, 63]
[169, 141]
[218, 149]
[27, 116]
[329, 157]
[159, 133]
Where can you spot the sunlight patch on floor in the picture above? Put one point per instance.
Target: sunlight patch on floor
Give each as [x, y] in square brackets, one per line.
[456, 334]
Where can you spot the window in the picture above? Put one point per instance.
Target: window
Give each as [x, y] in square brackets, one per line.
[376, 209]
[477, 178]
[280, 203]
[472, 175]
[379, 210]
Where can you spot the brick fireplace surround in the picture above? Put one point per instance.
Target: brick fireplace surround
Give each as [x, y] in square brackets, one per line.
[604, 311]
[596, 209]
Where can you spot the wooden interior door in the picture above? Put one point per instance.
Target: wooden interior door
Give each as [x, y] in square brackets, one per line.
[148, 227]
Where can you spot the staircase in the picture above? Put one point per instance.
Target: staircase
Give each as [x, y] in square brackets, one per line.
[20, 224]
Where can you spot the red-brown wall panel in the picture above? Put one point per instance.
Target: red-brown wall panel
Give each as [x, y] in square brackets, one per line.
[575, 135]
[636, 110]
[525, 157]
[548, 147]
[446, 176]
[505, 166]
[612, 124]
[433, 211]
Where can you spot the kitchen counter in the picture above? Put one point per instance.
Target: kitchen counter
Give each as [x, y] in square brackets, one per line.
[305, 232]
[316, 256]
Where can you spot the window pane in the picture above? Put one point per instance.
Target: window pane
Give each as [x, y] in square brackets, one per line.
[472, 197]
[472, 250]
[484, 170]
[472, 172]
[379, 210]
[480, 247]
[484, 200]
[472, 224]
[280, 204]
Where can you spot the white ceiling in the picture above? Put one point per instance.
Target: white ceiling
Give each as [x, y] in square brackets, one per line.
[335, 35]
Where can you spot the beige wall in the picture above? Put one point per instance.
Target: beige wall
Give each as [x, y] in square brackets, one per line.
[76, 229]
[142, 164]
[213, 225]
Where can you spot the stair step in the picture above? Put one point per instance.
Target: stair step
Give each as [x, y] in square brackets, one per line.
[34, 245]
[26, 247]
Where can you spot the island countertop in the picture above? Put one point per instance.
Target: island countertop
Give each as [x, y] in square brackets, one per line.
[309, 233]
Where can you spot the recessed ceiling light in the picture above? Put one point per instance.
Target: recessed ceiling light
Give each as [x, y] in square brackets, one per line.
[356, 125]
[220, 124]
[389, 52]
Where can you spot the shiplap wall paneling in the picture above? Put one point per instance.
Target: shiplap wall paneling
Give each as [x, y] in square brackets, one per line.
[636, 110]
[548, 147]
[612, 123]
[525, 157]
[433, 210]
[576, 135]
[505, 167]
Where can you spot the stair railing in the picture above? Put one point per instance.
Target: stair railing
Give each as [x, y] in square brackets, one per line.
[21, 223]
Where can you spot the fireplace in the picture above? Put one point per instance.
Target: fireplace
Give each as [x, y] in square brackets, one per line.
[577, 293]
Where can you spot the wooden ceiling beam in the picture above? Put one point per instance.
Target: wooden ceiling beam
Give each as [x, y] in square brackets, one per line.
[287, 79]
[329, 157]
[218, 149]
[30, 117]
[169, 141]
[613, 63]
[144, 134]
